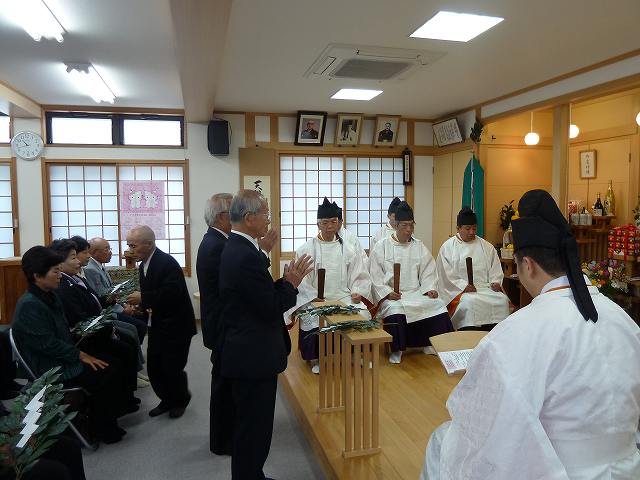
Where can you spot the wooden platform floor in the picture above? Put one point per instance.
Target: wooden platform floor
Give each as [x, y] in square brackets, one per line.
[412, 405]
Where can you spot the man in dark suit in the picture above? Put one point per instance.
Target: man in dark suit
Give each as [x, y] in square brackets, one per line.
[256, 342]
[164, 296]
[216, 214]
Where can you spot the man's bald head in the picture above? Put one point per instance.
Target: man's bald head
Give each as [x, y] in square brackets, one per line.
[100, 250]
[141, 241]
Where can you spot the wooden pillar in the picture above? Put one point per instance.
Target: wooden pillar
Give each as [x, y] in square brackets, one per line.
[560, 166]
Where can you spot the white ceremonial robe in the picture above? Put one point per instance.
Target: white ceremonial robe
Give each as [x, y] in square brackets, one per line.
[547, 395]
[345, 274]
[353, 241]
[478, 308]
[385, 232]
[417, 277]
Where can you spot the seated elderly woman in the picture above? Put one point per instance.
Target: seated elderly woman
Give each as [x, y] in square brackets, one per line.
[80, 303]
[42, 335]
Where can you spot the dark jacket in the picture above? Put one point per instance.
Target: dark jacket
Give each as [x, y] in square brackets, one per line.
[164, 291]
[42, 334]
[208, 269]
[79, 303]
[256, 342]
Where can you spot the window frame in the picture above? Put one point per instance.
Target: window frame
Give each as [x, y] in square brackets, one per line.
[408, 189]
[11, 162]
[117, 127]
[46, 163]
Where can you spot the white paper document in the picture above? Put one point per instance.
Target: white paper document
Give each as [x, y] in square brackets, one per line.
[118, 287]
[455, 361]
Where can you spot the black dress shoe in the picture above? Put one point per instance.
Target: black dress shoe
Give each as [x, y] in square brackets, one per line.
[159, 410]
[176, 412]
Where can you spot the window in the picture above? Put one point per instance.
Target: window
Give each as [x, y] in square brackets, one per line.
[80, 130]
[152, 131]
[8, 234]
[367, 184]
[5, 129]
[114, 129]
[84, 200]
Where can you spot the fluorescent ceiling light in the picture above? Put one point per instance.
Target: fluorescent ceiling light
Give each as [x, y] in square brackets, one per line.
[35, 17]
[457, 27]
[90, 82]
[355, 94]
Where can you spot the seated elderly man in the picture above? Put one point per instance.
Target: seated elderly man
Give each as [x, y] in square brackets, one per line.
[346, 278]
[415, 313]
[42, 335]
[387, 230]
[98, 253]
[481, 305]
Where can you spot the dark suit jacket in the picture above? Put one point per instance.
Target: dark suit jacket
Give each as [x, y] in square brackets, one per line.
[256, 342]
[207, 269]
[164, 291]
[78, 302]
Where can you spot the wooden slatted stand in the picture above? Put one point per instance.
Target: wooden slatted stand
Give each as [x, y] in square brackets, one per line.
[350, 382]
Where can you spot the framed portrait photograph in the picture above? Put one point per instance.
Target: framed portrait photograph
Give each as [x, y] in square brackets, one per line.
[348, 129]
[310, 128]
[588, 164]
[386, 130]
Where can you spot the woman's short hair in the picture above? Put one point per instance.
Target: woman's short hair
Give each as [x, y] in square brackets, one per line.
[245, 201]
[63, 247]
[39, 260]
[81, 243]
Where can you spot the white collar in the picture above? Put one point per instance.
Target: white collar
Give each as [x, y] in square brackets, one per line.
[562, 281]
[91, 259]
[226, 235]
[145, 265]
[248, 237]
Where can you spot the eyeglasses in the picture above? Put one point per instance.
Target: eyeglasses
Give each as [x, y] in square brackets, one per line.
[265, 215]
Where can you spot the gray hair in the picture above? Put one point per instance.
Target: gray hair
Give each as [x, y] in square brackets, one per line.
[142, 233]
[245, 201]
[217, 204]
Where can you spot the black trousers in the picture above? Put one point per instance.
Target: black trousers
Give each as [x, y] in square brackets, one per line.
[166, 359]
[141, 325]
[254, 401]
[63, 461]
[487, 327]
[109, 393]
[221, 412]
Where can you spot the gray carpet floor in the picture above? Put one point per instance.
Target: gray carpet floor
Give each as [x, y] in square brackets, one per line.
[163, 448]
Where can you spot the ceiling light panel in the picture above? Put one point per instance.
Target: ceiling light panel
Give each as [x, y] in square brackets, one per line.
[456, 27]
[355, 94]
[87, 79]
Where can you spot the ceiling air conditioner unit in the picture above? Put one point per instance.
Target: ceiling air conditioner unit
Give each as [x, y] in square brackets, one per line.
[363, 62]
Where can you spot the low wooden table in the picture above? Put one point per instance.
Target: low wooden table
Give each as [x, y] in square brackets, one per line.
[349, 381]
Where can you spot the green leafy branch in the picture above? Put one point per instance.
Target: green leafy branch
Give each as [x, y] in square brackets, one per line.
[506, 212]
[93, 324]
[52, 422]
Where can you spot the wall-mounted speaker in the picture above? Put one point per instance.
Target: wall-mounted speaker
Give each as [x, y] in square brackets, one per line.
[218, 137]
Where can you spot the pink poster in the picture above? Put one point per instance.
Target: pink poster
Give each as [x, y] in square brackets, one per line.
[142, 203]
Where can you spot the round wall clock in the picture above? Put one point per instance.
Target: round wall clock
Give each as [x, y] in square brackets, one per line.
[27, 145]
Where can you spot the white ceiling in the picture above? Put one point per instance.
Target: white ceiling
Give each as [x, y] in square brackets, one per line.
[271, 43]
[130, 42]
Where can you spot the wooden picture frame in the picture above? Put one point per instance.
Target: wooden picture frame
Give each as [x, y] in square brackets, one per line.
[588, 164]
[310, 128]
[348, 128]
[386, 131]
[447, 132]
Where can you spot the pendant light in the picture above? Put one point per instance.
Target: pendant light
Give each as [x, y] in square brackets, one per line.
[638, 119]
[574, 131]
[531, 138]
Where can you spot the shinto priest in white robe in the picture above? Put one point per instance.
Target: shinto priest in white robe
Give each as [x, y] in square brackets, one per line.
[386, 230]
[475, 308]
[417, 277]
[552, 392]
[345, 274]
